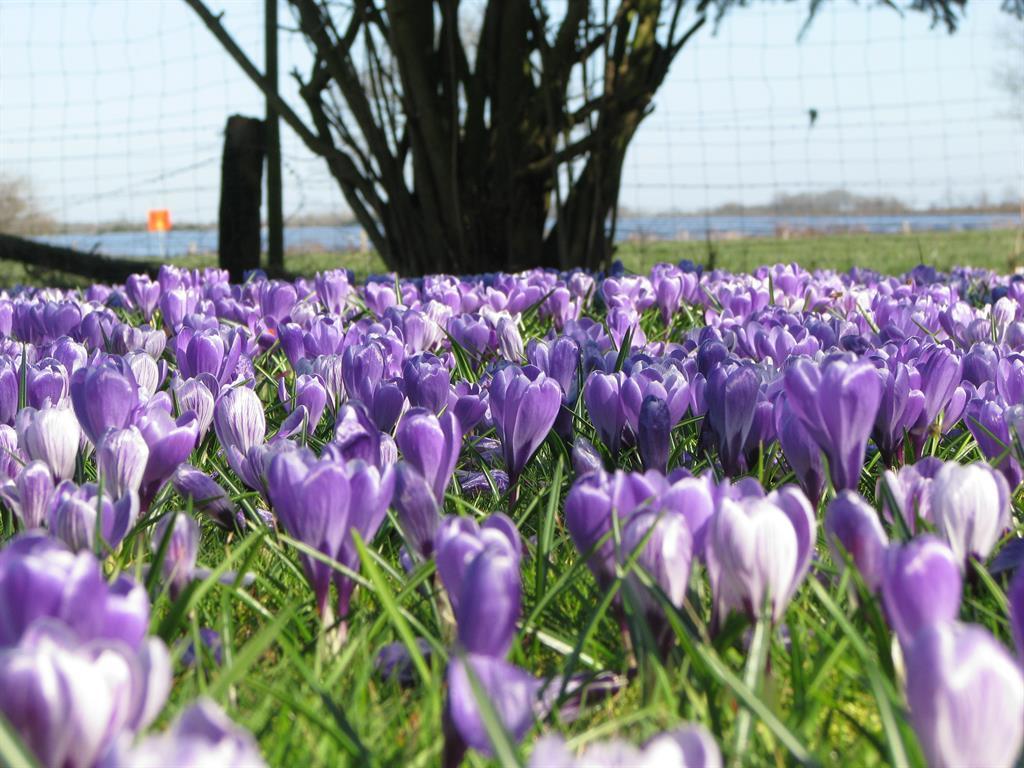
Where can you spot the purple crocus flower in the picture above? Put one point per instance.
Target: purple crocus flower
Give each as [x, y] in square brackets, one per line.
[921, 586]
[966, 697]
[202, 735]
[431, 445]
[311, 499]
[206, 495]
[70, 703]
[602, 394]
[900, 408]
[241, 425]
[654, 433]
[665, 555]
[427, 382]
[170, 442]
[355, 435]
[72, 516]
[362, 371]
[417, 507]
[512, 692]
[197, 396]
[309, 391]
[460, 539]
[802, 453]
[909, 489]
[852, 527]
[940, 375]
[208, 352]
[104, 398]
[971, 508]
[46, 384]
[986, 419]
[121, 459]
[524, 403]
[758, 551]
[732, 395]
[490, 602]
[51, 436]
[372, 490]
[585, 458]
[68, 588]
[28, 495]
[181, 534]
[837, 403]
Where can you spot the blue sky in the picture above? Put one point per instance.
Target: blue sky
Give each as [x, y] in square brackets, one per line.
[111, 108]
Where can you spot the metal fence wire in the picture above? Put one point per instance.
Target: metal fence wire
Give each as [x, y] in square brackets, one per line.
[111, 108]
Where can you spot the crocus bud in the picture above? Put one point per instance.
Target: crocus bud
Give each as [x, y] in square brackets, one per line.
[104, 398]
[193, 395]
[511, 691]
[431, 445]
[653, 435]
[732, 402]
[837, 403]
[921, 586]
[971, 508]
[206, 495]
[121, 458]
[29, 494]
[852, 527]
[510, 341]
[524, 403]
[665, 555]
[490, 603]
[311, 499]
[10, 455]
[966, 697]
[585, 458]
[758, 551]
[50, 436]
[73, 512]
[602, 396]
[240, 424]
[181, 534]
[418, 513]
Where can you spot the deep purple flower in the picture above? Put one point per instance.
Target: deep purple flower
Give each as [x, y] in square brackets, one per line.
[602, 394]
[460, 539]
[355, 435]
[654, 433]
[490, 602]
[986, 419]
[837, 404]
[104, 398]
[966, 697]
[585, 458]
[802, 453]
[418, 511]
[309, 391]
[431, 445]
[427, 382]
[900, 408]
[511, 691]
[208, 352]
[362, 371]
[732, 395]
[524, 403]
[206, 495]
[852, 527]
[921, 586]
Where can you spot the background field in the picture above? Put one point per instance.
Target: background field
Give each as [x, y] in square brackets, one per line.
[1001, 250]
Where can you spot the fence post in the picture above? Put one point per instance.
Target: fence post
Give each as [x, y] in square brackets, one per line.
[275, 216]
[240, 192]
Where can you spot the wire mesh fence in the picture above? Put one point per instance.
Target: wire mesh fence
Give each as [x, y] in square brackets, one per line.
[113, 108]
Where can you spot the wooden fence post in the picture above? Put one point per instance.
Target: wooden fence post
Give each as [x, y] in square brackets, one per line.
[240, 195]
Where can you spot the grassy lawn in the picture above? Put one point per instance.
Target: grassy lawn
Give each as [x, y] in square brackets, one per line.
[1000, 250]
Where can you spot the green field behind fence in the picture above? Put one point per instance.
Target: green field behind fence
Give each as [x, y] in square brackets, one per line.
[1001, 250]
